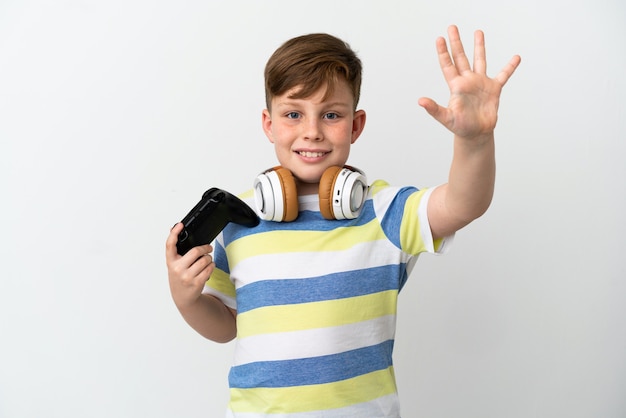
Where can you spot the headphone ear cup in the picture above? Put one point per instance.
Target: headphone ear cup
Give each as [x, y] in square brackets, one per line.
[264, 197]
[342, 192]
[275, 195]
[289, 194]
[353, 193]
[326, 188]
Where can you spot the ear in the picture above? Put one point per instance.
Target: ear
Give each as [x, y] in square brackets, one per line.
[358, 123]
[266, 121]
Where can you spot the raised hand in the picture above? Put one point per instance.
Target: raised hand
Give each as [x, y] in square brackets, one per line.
[472, 111]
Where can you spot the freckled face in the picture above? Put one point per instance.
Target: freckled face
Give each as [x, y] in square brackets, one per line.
[311, 134]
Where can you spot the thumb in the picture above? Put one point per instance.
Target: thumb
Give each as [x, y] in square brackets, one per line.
[438, 112]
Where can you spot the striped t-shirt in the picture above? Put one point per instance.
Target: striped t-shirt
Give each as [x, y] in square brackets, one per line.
[316, 306]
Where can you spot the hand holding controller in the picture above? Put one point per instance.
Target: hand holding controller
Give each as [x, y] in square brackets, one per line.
[210, 216]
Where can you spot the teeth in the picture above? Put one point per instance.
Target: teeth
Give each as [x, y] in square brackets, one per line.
[310, 154]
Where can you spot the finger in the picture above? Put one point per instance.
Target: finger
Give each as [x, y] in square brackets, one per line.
[439, 113]
[200, 266]
[508, 70]
[429, 104]
[172, 239]
[458, 53]
[480, 58]
[197, 252]
[204, 275]
[445, 60]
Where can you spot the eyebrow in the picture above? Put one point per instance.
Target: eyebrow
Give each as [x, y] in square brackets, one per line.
[295, 102]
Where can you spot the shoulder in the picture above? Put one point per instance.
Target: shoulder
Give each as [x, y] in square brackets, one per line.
[386, 197]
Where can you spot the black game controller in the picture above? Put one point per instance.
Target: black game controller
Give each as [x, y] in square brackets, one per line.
[207, 219]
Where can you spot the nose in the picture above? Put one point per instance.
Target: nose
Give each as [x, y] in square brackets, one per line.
[312, 130]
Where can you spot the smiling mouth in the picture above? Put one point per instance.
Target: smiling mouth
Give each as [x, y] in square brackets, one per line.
[310, 154]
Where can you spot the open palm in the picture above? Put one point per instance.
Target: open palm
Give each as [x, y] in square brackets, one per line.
[474, 98]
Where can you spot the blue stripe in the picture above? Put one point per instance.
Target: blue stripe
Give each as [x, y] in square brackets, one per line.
[306, 221]
[219, 256]
[312, 371]
[403, 280]
[392, 221]
[231, 232]
[328, 287]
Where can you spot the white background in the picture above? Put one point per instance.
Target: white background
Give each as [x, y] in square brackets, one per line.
[115, 116]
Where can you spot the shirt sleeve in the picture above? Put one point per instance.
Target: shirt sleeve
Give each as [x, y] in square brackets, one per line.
[219, 284]
[438, 246]
[403, 212]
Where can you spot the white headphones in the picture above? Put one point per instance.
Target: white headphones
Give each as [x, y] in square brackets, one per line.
[342, 192]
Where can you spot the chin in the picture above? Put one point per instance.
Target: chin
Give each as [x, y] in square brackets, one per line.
[308, 179]
[307, 174]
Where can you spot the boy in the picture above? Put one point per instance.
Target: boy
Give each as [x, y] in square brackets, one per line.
[312, 301]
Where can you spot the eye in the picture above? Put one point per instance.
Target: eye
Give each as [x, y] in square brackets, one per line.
[331, 116]
[293, 115]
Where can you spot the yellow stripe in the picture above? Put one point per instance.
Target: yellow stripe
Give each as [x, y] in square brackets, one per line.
[377, 186]
[248, 194]
[286, 318]
[437, 243]
[276, 242]
[220, 281]
[314, 397]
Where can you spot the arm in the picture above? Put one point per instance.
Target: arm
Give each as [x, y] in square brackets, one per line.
[187, 275]
[471, 116]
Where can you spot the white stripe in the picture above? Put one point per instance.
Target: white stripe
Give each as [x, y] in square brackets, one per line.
[227, 300]
[314, 342]
[382, 199]
[309, 202]
[383, 407]
[304, 264]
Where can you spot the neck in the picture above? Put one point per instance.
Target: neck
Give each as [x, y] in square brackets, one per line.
[307, 188]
